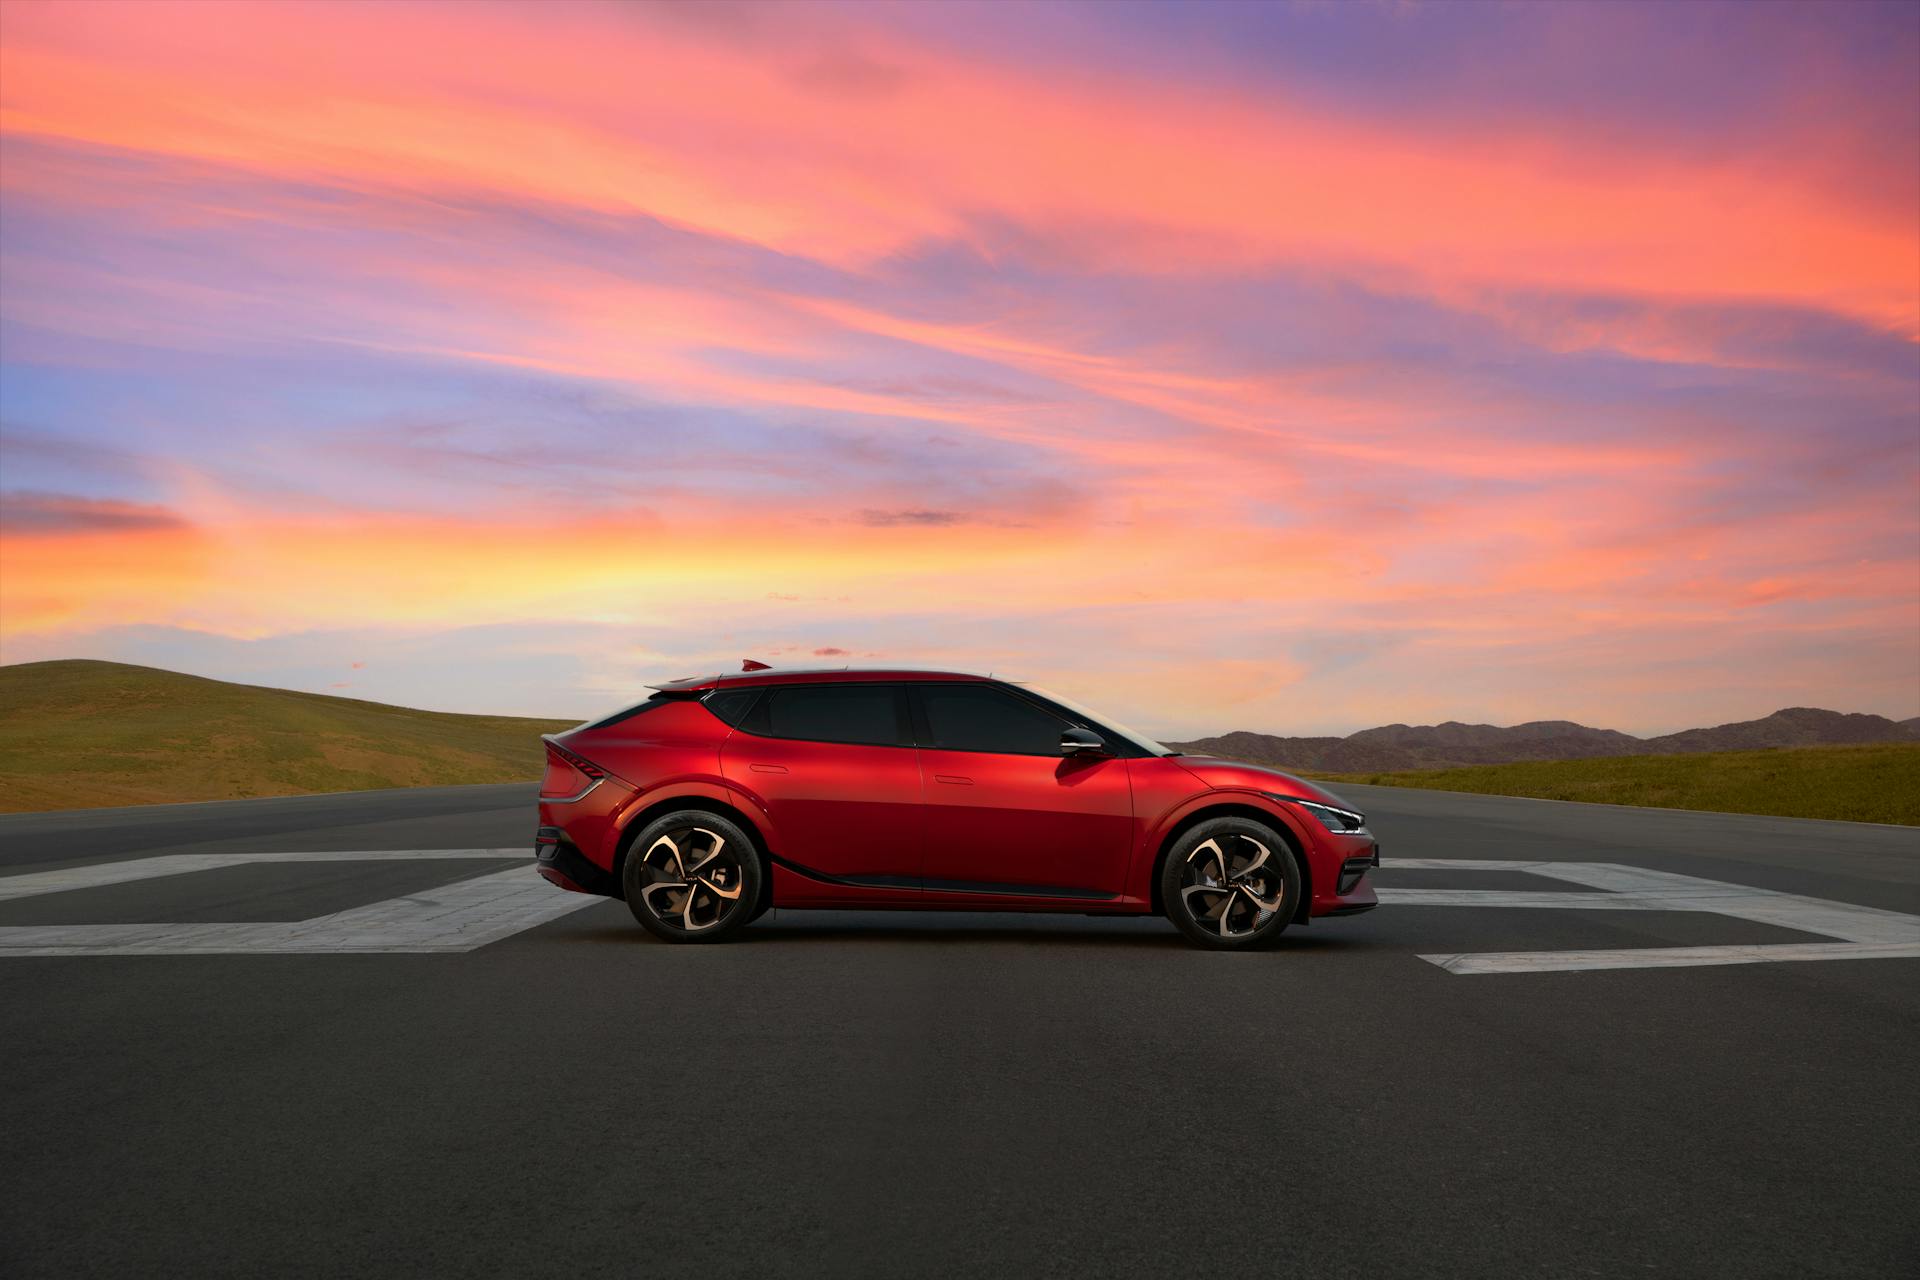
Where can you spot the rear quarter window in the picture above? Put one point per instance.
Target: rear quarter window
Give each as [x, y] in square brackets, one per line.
[731, 705]
[627, 713]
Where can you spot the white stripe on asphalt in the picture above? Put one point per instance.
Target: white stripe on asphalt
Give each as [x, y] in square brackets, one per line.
[100, 874]
[452, 918]
[1549, 898]
[1667, 957]
[474, 912]
[1864, 933]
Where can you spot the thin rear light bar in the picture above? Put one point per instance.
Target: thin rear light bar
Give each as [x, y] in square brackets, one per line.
[577, 760]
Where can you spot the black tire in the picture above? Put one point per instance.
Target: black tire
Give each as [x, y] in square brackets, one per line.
[665, 886]
[1220, 882]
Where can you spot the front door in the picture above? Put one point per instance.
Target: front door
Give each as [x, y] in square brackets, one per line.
[1006, 812]
[833, 767]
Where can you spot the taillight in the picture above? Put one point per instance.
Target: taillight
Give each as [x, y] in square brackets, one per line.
[568, 773]
[579, 762]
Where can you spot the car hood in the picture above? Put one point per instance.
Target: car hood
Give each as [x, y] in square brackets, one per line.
[1256, 777]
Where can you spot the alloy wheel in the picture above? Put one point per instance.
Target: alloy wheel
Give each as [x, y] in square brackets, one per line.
[693, 879]
[1231, 884]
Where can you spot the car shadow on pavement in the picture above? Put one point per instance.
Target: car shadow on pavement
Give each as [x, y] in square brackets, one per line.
[804, 928]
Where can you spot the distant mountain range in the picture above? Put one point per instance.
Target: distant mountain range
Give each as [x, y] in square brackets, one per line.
[1438, 746]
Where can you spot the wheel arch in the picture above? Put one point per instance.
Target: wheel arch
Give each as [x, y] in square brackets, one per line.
[1253, 813]
[694, 803]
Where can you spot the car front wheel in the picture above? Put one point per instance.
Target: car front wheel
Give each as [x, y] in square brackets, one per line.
[1231, 884]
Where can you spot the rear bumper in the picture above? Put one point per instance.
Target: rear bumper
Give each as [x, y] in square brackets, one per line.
[558, 862]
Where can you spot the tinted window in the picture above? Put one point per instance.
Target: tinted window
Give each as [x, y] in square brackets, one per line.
[731, 704]
[963, 717]
[834, 713]
[654, 703]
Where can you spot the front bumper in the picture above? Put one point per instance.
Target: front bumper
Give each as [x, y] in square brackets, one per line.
[558, 862]
[1355, 868]
[1347, 862]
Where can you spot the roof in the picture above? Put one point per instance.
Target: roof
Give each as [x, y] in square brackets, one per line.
[817, 675]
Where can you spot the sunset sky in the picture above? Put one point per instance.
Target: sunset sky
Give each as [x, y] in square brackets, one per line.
[1293, 368]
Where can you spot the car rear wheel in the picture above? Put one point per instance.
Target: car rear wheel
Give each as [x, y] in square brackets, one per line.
[1230, 884]
[692, 877]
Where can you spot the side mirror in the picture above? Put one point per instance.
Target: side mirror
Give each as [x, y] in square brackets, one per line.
[1082, 742]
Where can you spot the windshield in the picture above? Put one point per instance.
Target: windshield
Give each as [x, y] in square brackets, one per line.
[1140, 740]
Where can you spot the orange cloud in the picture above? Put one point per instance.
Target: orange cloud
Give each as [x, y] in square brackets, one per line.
[731, 138]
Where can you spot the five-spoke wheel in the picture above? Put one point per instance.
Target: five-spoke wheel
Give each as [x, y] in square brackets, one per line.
[692, 876]
[1231, 882]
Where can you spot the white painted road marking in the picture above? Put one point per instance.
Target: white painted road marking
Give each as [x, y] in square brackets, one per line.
[472, 913]
[1668, 957]
[1864, 933]
[175, 864]
[453, 918]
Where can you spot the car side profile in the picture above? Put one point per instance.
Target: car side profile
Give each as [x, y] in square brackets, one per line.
[720, 797]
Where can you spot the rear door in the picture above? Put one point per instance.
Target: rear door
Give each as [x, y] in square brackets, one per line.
[1006, 812]
[833, 766]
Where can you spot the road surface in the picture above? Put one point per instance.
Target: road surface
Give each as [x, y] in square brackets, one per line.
[459, 1072]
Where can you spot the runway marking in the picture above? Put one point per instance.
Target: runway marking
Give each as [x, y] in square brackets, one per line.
[173, 864]
[484, 909]
[1863, 933]
[1668, 957]
[453, 918]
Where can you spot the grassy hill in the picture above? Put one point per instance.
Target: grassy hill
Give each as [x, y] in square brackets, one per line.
[1874, 783]
[76, 734]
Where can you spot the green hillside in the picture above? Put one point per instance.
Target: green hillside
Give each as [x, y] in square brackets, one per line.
[1875, 783]
[76, 734]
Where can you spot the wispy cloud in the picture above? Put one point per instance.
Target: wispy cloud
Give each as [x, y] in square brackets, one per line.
[887, 519]
[43, 513]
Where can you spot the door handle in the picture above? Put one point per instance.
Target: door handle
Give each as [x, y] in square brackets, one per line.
[953, 779]
[768, 768]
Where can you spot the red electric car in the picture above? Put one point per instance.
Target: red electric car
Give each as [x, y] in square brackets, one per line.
[722, 796]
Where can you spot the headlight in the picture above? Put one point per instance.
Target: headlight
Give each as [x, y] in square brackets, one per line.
[1343, 822]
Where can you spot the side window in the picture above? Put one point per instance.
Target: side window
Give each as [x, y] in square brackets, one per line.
[972, 717]
[862, 713]
[731, 704]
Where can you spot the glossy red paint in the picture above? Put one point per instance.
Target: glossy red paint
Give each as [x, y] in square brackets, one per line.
[1236, 784]
[845, 810]
[1073, 816]
[900, 825]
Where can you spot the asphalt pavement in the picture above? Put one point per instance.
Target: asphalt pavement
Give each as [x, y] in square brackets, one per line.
[865, 1094]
